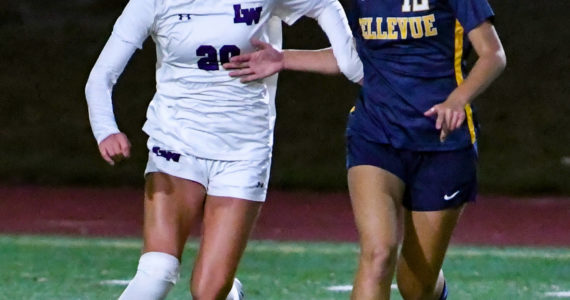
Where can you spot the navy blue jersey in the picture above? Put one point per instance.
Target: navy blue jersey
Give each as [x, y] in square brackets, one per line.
[413, 53]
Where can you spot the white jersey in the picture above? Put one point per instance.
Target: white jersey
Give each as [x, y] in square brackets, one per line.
[198, 109]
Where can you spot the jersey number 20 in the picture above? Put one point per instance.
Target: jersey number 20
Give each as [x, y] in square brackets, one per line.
[209, 61]
[416, 5]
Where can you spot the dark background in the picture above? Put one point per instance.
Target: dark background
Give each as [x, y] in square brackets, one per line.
[47, 49]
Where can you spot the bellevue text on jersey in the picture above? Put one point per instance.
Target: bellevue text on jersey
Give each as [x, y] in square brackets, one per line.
[394, 28]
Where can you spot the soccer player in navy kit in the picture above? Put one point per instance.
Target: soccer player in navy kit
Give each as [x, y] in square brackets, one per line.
[411, 138]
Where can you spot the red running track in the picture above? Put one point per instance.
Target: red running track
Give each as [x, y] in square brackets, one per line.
[543, 221]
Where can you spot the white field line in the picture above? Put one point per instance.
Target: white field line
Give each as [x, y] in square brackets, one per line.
[510, 253]
[278, 247]
[564, 294]
[74, 243]
[340, 288]
[323, 249]
[348, 288]
[254, 246]
[115, 282]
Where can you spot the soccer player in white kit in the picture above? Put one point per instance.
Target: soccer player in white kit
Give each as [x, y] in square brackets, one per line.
[210, 136]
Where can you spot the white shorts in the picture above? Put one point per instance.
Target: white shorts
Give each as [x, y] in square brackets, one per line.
[244, 179]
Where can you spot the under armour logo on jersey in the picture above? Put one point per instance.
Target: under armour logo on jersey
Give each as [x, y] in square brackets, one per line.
[247, 15]
[168, 155]
[183, 17]
[260, 184]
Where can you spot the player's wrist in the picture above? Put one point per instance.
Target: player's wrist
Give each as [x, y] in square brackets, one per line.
[459, 97]
[287, 60]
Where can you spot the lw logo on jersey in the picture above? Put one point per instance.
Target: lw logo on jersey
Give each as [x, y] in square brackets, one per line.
[168, 155]
[246, 15]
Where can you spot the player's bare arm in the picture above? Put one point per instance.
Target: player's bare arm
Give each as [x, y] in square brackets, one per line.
[490, 63]
[266, 61]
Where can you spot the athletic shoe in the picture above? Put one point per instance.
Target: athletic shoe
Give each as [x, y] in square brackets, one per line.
[236, 293]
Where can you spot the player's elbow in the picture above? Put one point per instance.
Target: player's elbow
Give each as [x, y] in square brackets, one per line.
[100, 80]
[89, 89]
[92, 88]
[352, 69]
[342, 67]
[92, 82]
[496, 58]
[499, 56]
[501, 59]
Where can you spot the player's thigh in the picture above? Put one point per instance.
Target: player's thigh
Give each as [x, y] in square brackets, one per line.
[172, 206]
[227, 225]
[236, 192]
[426, 238]
[376, 201]
[376, 188]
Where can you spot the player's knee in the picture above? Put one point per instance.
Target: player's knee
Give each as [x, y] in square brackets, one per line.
[157, 273]
[160, 265]
[379, 259]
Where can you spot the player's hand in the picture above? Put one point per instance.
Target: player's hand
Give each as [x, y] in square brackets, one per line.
[449, 115]
[264, 62]
[115, 148]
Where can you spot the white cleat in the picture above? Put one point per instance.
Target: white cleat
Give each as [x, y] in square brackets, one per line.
[236, 293]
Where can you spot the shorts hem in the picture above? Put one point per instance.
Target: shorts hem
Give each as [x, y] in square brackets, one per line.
[238, 195]
[400, 176]
[181, 175]
[452, 206]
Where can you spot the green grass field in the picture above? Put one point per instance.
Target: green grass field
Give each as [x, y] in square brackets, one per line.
[44, 267]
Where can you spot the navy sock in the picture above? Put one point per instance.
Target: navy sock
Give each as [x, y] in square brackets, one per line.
[443, 292]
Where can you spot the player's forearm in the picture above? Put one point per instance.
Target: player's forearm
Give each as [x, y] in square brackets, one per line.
[317, 61]
[484, 72]
[99, 87]
[489, 65]
[100, 108]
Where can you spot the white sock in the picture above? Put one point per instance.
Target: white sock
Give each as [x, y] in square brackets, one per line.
[156, 274]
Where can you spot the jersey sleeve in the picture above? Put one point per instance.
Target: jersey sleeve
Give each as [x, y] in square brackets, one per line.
[130, 31]
[332, 20]
[99, 87]
[136, 22]
[292, 10]
[471, 13]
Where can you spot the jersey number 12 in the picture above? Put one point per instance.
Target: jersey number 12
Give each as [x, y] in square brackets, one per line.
[415, 5]
[210, 61]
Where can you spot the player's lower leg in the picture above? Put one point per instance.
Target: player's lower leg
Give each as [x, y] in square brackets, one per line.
[426, 237]
[156, 274]
[171, 207]
[374, 275]
[227, 225]
[376, 196]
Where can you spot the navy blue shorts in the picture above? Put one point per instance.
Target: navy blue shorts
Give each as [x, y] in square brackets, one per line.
[435, 180]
